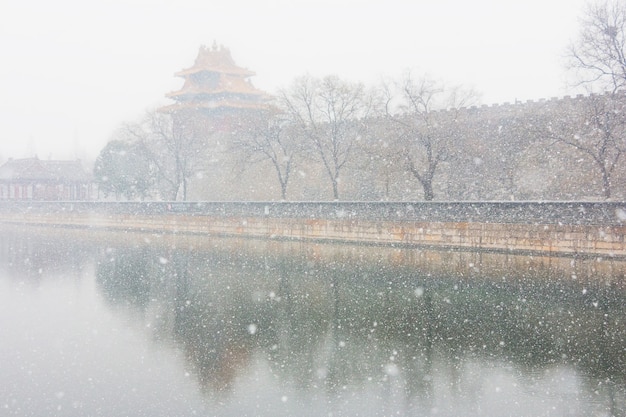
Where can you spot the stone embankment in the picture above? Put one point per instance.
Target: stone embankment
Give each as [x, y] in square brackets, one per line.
[573, 228]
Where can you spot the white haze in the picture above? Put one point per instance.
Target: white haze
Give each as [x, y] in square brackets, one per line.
[72, 71]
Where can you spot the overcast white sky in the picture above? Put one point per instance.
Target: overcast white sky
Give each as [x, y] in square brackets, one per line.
[73, 70]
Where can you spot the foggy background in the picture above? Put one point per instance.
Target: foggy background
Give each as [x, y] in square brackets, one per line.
[73, 71]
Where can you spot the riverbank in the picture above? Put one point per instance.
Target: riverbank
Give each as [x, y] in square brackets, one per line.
[567, 228]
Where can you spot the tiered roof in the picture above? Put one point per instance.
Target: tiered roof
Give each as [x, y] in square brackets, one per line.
[216, 82]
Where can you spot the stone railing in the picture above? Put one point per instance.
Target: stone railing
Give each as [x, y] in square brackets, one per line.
[577, 228]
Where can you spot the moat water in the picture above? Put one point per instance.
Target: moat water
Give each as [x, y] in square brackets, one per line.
[125, 324]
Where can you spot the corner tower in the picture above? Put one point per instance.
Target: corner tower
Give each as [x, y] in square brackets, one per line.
[215, 85]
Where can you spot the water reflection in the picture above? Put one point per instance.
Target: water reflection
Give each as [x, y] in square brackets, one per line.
[269, 328]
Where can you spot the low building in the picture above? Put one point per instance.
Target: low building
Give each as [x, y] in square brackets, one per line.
[34, 179]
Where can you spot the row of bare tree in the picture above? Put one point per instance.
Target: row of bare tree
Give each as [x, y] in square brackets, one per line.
[327, 138]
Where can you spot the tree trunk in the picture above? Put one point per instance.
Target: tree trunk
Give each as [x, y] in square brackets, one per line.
[429, 195]
[335, 189]
[606, 184]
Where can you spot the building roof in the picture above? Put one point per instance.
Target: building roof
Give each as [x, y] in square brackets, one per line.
[34, 169]
[221, 104]
[215, 59]
[223, 84]
[216, 82]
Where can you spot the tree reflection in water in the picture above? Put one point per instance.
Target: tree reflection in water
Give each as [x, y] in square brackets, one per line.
[334, 318]
[345, 329]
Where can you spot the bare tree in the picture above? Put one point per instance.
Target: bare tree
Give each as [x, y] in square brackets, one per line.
[599, 59]
[268, 136]
[425, 137]
[595, 127]
[175, 145]
[598, 55]
[329, 113]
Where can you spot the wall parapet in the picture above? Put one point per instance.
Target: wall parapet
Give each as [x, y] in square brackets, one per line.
[544, 212]
[590, 228]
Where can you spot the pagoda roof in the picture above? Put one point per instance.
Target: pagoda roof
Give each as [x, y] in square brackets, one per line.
[214, 83]
[215, 59]
[218, 104]
[34, 169]
[226, 84]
